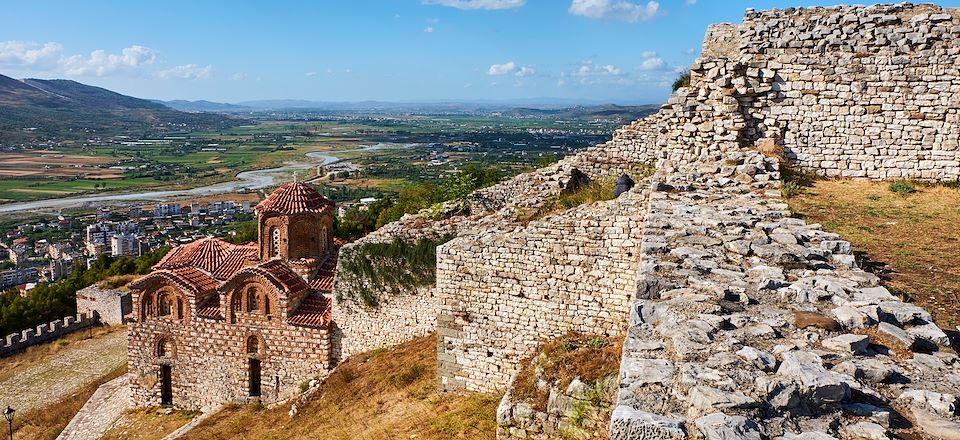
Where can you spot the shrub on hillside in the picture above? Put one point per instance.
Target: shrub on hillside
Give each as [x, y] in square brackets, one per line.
[902, 187]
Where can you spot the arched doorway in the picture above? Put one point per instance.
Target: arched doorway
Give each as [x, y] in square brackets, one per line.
[165, 351]
[254, 371]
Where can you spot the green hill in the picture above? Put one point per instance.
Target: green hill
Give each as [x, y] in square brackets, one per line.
[64, 109]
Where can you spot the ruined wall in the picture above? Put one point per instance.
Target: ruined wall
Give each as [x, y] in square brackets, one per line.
[15, 342]
[750, 324]
[209, 360]
[850, 91]
[398, 319]
[503, 292]
[108, 305]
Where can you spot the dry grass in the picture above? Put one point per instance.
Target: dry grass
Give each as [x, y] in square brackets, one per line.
[47, 422]
[910, 240]
[382, 394]
[148, 424]
[588, 357]
[117, 281]
[12, 364]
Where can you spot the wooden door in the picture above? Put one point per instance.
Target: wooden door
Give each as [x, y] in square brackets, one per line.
[166, 385]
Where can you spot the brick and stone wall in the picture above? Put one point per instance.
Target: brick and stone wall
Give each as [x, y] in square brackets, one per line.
[210, 364]
[108, 305]
[15, 342]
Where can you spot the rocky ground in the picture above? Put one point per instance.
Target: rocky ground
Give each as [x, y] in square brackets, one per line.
[51, 378]
[752, 324]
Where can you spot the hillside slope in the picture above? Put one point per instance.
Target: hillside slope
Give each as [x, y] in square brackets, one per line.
[386, 393]
[68, 109]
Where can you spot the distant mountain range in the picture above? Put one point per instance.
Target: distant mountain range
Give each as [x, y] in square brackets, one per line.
[63, 108]
[57, 108]
[540, 107]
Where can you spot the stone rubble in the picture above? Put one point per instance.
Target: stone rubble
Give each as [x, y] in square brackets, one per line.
[719, 345]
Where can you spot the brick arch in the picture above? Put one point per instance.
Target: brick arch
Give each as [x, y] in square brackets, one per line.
[260, 349]
[252, 296]
[164, 300]
[164, 346]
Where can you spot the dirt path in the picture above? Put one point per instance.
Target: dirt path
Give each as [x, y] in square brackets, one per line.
[62, 373]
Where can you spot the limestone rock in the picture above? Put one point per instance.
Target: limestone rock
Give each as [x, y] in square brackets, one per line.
[719, 426]
[629, 424]
[848, 343]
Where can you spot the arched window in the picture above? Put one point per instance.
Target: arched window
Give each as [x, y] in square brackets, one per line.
[164, 303]
[253, 345]
[276, 242]
[148, 306]
[253, 299]
[164, 348]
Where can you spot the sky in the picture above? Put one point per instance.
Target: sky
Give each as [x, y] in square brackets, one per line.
[619, 51]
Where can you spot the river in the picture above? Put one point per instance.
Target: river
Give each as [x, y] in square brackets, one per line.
[247, 180]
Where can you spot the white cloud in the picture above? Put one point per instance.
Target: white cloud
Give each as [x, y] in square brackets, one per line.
[311, 74]
[615, 10]
[651, 61]
[239, 76]
[186, 71]
[101, 63]
[24, 54]
[502, 69]
[511, 67]
[428, 29]
[49, 57]
[525, 71]
[690, 2]
[477, 4]
[588, 68]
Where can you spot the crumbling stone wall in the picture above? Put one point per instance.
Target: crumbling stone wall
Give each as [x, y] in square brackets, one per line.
[850, 91]
[503, 292]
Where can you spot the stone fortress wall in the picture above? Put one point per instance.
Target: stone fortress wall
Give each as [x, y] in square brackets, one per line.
[15, 342]
[848, 91]
[709, 278]
[504, 292]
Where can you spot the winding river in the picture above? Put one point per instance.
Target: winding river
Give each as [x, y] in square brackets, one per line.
[247, 180]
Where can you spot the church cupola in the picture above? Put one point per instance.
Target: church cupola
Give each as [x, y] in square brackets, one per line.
[294, 223]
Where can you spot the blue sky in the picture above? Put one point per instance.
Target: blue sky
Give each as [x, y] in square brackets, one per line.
[393, 50]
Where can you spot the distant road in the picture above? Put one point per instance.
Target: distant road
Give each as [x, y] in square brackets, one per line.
[247, 180]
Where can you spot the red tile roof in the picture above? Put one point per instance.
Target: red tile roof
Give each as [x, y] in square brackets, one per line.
[188, 278]
[316, 310]
[323, 281]
[217, 257]
[294, 197]
[280, 275]
[210, 308]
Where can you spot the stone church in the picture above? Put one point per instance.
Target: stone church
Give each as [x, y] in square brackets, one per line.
[216, 322]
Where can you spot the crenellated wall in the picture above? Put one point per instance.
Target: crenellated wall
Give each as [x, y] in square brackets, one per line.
[15, 342]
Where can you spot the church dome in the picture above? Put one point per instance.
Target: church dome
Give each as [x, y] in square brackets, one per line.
[293, 198]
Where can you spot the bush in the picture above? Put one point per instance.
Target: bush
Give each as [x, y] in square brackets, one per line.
[376, 268]
[902, 187]
[682, 81]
